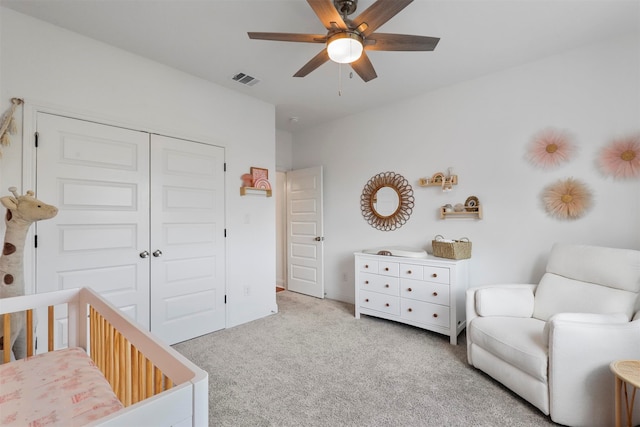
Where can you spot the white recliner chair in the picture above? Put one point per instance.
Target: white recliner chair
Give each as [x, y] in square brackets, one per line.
[552, 343]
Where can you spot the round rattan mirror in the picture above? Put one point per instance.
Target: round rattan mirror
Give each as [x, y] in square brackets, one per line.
[387, 201]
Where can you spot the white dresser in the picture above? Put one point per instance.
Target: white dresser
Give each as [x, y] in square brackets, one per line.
[425, 292]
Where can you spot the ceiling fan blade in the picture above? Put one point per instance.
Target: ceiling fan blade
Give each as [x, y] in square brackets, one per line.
[404, 42]
[328, 14]
[315, 62]
[379, 13]
[289, 37]
[364, 68]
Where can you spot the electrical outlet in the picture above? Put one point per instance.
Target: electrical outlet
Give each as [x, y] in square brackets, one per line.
[247, 291]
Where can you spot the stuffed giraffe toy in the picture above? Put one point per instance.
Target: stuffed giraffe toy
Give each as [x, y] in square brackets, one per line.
[22, 211]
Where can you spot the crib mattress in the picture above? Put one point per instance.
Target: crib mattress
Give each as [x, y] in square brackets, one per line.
[60, 388]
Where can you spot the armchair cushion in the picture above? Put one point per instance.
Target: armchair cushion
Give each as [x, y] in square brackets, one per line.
[524, 348]
[505, 301]
[583, 318]
[557, 294]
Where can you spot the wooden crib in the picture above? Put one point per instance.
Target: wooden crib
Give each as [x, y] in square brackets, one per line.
[154, 384]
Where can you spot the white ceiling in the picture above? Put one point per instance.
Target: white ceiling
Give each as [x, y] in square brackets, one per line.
[208, 39]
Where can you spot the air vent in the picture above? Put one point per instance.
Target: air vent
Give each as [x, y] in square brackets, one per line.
[245, 79]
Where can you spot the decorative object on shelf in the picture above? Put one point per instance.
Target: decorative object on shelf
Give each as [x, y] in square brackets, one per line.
[621, 158]
[8, 126]
[387, 201]
[567, 199]
[439, 179]
[550, 148]
[256, 182]
[471, 204]
[470, 209]
[452, 249]
[259, 173]
[247, 180]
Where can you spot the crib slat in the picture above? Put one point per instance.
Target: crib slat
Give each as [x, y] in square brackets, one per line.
[6, 352]
[127, 371]
[149, 379]
[135, 374]
[50, 339]
[157, 374]
[29, 333]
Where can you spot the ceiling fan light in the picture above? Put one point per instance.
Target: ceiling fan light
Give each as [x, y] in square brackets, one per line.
[344, 48]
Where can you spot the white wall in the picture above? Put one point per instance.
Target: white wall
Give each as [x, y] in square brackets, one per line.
[52, 67]
[284, 150]
[481, 129]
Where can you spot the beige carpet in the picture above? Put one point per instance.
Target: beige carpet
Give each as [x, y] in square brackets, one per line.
[314, 364]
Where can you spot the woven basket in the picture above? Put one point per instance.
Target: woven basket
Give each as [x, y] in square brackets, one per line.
[458, 249]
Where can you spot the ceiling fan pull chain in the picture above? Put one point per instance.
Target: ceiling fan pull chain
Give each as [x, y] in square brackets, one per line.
[339, 79]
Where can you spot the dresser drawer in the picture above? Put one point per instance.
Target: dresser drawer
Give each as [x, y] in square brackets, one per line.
[424, 312]
[388, 268]
[436, 274]
[411, 271]
[380, 302]
[368, 266]
[425, 291]
[383, 284]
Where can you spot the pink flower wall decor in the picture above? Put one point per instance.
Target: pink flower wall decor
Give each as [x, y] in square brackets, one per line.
[550, 148]
[621, 158]
[567, 199]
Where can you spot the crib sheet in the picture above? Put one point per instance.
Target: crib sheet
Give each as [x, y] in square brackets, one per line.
[60, 388]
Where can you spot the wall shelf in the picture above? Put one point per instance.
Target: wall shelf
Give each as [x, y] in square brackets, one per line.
[253, 190]
[475, 213]
[438, 180]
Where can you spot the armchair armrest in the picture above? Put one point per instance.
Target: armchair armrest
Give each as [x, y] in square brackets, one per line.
[581, 347]
[512, 300]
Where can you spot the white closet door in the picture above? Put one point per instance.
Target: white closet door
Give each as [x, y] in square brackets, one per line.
[187, 239]
[98, 177]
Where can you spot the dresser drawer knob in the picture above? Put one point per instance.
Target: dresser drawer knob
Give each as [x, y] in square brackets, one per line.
[409, 289]
[435, 314]
[366, 282]
[366, 300]
[386, 286]
[408, 271]
[386, 305]
[410, 309]
[434, 275]
[386, 269]
[435, 294]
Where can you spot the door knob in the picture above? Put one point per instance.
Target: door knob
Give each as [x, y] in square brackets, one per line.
[319, 239]
[144, 254]
[157, 253]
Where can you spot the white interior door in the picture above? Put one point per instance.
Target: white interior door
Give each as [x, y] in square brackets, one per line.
[187, 239]
[305, 239]
[98, 177]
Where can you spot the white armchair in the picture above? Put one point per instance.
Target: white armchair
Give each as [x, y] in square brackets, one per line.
[552, 343]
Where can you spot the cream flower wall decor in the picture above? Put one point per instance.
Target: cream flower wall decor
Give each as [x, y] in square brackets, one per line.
[550, 148]
[621, 158]
[567, 199]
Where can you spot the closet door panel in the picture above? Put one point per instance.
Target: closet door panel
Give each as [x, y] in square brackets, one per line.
[98, 177]
[187, 239]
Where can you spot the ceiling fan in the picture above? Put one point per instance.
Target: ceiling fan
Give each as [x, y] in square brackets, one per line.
[347, 40]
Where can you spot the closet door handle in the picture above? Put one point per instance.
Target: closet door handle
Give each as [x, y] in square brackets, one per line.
[144, 254]
[157, 253]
